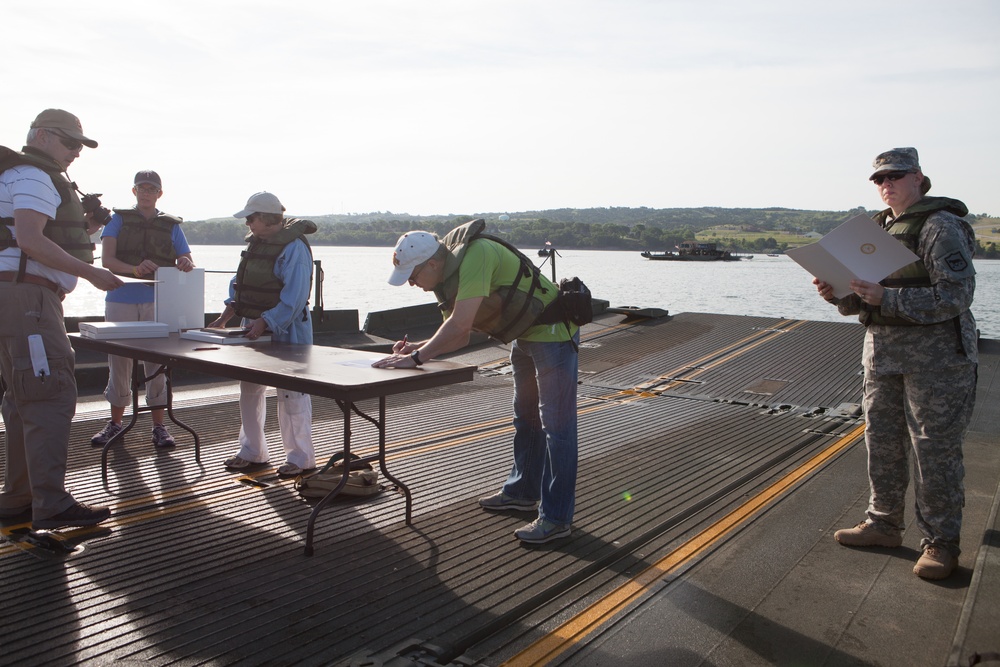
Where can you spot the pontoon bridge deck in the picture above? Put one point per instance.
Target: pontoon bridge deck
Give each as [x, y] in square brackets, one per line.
[717, 456]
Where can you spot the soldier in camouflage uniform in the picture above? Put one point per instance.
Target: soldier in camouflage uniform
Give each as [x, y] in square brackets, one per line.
[920, 361]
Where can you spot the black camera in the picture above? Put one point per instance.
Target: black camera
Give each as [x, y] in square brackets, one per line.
[92, 204]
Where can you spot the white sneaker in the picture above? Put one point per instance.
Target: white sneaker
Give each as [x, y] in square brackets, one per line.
[239, 463]
[291, 470]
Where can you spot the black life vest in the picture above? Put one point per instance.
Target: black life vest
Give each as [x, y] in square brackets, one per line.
[257, 288]
[141, 238]
[69, 228]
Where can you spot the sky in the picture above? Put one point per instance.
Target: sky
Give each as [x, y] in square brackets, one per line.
[488, 106]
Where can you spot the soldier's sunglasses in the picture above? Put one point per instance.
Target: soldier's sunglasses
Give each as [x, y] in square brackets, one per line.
[890, 176]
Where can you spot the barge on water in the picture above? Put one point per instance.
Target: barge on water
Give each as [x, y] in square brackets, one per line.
[718, 454]
[693, 251]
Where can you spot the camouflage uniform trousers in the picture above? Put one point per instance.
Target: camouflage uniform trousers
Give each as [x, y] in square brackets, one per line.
[923, 415]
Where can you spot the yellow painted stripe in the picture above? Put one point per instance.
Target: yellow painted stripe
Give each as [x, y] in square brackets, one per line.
[568, 635]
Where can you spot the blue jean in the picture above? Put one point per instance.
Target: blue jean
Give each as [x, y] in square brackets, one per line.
[545, 439]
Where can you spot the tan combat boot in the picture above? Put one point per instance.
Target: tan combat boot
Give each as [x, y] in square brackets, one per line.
[935, 563]
[867, 534]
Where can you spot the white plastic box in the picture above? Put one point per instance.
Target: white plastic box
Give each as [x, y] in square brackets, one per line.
[113, 330]
[180, 298]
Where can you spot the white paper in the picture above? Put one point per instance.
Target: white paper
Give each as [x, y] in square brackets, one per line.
[206, 337]
[857, 249]
[356, 363]
[137, 281]
[180, 298]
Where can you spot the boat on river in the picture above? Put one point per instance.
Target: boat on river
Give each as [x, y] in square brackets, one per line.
[693, 251]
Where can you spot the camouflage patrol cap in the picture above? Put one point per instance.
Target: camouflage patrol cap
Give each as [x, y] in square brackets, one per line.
[898, 159]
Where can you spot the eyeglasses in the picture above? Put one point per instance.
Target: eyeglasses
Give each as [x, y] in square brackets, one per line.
[890, 176]
[147, 190]
[70, 143]
[416, 271]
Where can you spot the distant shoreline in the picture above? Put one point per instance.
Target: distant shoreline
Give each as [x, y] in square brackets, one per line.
[602, 249]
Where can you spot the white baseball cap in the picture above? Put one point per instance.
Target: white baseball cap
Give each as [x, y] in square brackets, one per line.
[262, 202]
[412, 249]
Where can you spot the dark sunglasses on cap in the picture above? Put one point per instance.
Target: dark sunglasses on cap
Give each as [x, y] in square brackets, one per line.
[70, 143]
[889, 176]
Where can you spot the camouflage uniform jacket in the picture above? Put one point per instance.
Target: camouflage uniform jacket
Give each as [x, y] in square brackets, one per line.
[944, 333]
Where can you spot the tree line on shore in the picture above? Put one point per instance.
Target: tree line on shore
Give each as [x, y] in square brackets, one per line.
[752, 230]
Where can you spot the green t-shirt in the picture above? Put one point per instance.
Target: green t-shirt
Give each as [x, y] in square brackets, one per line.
[487, 266]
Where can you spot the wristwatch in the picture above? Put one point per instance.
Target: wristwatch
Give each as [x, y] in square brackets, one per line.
[415, 355]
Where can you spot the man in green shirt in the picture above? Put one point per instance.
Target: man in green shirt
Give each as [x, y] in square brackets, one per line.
[473, 278]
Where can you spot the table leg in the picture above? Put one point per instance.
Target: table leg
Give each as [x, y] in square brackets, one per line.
[382, 464]
[348, 407]
[311, 524]
[170, 412]
[139, 381]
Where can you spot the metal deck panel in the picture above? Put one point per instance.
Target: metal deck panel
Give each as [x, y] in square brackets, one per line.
[761, 361]
[199, 568]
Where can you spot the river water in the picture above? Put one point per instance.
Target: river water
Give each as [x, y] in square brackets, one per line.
[355, 278]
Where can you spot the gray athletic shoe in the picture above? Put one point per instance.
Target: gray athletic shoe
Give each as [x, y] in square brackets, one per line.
[541, 531]
[109, 431]
[162, 438]
[501, 501]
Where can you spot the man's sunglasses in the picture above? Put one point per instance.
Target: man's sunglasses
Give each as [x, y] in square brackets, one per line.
[890, 176]
[70, 143]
